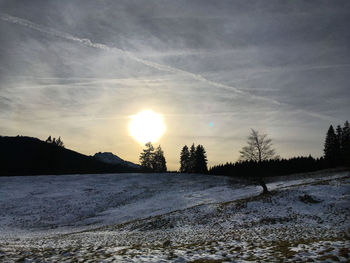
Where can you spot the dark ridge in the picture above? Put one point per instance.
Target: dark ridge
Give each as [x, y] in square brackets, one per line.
[23, 155]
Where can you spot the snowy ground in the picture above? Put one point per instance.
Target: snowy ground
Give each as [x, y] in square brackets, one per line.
[178, 218]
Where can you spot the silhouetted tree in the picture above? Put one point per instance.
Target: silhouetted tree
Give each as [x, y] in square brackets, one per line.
[200, 160]
[146, 157]
[331, 147]
[192, 162]
[339, 134]
[345, 149]
[259, 148]
[53, 141]
[158, 160]
[59, 142]
[184, 160]
[151, 159]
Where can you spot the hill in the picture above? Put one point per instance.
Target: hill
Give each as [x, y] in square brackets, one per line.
[108, 157]
[173, 218]
[28, 156]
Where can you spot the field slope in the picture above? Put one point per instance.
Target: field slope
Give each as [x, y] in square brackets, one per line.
[178, 218]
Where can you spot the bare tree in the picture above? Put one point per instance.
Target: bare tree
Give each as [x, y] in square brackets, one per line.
[259, 149]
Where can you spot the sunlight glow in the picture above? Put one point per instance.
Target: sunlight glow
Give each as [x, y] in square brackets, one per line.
[146, 126]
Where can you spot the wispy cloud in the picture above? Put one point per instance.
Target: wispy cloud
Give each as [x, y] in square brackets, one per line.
[174, 70]
[161, 67]
[81, 68]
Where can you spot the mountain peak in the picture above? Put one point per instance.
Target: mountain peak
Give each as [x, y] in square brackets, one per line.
[108, 157]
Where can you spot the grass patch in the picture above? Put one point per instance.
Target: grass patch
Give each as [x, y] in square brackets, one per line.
[283, 247]
[275, 220]
[308, 199]
[344, 252]
[326, 257]
[242, 203]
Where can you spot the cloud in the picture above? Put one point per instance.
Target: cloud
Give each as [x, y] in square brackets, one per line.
[158, 66]
[161, 67]
[80, 68]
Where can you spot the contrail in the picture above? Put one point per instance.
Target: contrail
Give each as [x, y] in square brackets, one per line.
[160, 67]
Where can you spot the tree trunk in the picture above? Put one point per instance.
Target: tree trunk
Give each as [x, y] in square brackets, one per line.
[263, 185]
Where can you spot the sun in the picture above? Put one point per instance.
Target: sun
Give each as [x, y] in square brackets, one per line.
[146, 126]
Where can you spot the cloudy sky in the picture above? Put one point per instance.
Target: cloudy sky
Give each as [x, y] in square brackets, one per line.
[214, 69]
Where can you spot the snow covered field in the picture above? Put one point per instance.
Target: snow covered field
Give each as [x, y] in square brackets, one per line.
[170, 217]
[38, 204]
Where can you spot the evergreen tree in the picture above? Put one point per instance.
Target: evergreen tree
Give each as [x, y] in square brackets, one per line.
[192, 161]
[184, 160]
[53, 141]
[345, 144]
[59, 142]
[146, 157]
[331, 147]
[339, 135]
[200, 160]
[158, 160]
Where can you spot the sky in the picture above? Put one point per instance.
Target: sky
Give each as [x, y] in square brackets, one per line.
[213, 69]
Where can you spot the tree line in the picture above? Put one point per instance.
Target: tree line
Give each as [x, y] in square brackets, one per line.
[258, 158]
[272, 167]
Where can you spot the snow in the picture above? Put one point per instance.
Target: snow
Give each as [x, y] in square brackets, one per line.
[35, 203]
[108, 157]
[173, 217]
